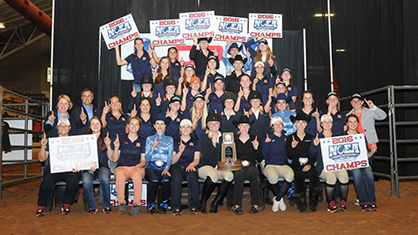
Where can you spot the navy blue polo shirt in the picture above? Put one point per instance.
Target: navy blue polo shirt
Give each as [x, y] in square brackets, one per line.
[244, 104]
[292, 90]
[159, 88]
[130, 152]
[103, 159]
[175, 70]
[275, 151]
[189, 101]
[338, 120]
[211, 79]
[116, 126]
[263, 87]
[187, 157]
[147, 129]
[140, 66]
[215, 103]
[227, 125]
[261, 126]
[311, 127]
[172, 127]
[198, 132]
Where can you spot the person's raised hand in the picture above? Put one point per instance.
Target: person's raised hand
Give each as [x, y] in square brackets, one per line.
[134, 112]
[44, 140]
[256, 143]
[107, 140]
[134, 93]
[83, 115]
[316, 140]
[294, 142]
[116, 143]
[268, 140]
[51, 117]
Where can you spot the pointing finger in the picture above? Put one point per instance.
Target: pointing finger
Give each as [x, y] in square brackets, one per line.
[105, 103]
[293, 137]
[107, 135]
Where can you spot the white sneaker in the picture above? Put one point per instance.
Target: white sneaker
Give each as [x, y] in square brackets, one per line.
[275, 206]
[357, 202]
[282, 205]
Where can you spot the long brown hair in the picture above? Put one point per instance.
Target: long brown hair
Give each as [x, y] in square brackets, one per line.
[102, 136]
[159, 77]
[259, 56]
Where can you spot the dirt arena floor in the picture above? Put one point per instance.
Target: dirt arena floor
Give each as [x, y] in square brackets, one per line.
[395, 216]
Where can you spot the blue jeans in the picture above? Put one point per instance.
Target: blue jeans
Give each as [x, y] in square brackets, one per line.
[104, 176]
[177, 176]
[364, 183]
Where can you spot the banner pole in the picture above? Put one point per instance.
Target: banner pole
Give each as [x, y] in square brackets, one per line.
[330, 46]
[305, 64]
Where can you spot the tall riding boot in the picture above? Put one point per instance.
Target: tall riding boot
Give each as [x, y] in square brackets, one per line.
[222, 191]
[301, 201]
[314, 197]
[208, 188]
[283, 189]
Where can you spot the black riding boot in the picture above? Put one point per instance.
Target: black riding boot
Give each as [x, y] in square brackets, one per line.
[301, 201]
[208, 188]
[222, 191]
[314, 197]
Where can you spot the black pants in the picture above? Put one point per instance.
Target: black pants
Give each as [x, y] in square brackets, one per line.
[49, 180]
[154, 179]
[250, 173]
[300, 177]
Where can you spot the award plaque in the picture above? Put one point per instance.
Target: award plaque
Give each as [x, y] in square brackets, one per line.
[229, 161]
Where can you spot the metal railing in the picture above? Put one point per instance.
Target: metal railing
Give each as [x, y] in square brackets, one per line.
[393, 125]
[26, 109]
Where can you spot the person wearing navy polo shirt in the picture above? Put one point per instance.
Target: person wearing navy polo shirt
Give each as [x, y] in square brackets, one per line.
[158, 155]
[274, 150]
[141, 62]
[339, 118]
[173, 118]
[184, 80]
[176, 66]
[214, 99]
[243, 103]
[263, 54]
[128, 152]
[49, 180]
[292, 89]
[113, 119]
[104, 152]
[185, 160]
[281, 88]
[262, 82]
[198, 115]
[308, 102]
[210, 73]
[147, 120]
[200, 57]
[161, 75]
[162, 102]
[189, 94]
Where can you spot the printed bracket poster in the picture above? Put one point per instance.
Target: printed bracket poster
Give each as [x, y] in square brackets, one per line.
[119, 31]
[344, 152]
[73, 152]
[235, 28]
[265, 25]
[201, 24]
[166, 32]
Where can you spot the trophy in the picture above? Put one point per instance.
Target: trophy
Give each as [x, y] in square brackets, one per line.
[229, 161]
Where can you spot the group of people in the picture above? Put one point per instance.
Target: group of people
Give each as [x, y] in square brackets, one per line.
[174, 133]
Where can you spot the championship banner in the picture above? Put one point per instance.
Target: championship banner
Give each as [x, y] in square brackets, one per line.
[265, 25]
[73, 152]
[231, 27]
[130, 192]
[166, 32]
[119, 31]
[344, 152]
[201, 24]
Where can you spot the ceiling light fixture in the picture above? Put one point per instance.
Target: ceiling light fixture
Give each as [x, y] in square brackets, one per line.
[324, 15]
[340, 50]
[2, 26]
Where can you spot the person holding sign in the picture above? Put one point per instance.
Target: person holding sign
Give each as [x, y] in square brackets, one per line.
[211, 147]
[200, 57]
[141, 62]
[303, 164]
[274, 150]
[249, 152]
[363, 177]
[128, 152]
[330, 177]
[104, 152]
[159, 156]
[185, 160]
[49, 180]
[263, 54]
